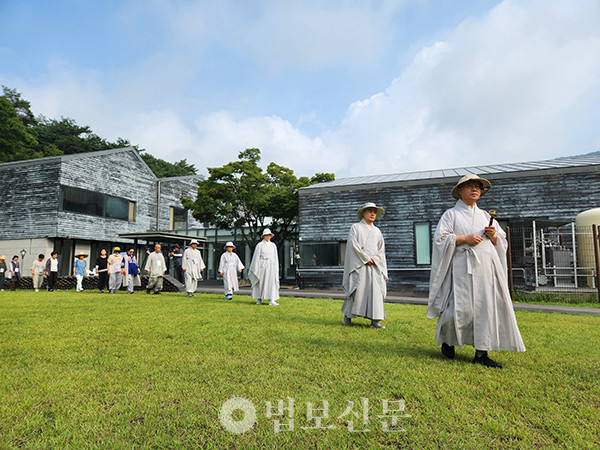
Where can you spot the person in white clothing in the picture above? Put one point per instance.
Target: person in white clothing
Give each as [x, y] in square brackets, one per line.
[468, 290]
[192, 265]
[365, 269]
[155, 268]
[264, 271]
[229, 266]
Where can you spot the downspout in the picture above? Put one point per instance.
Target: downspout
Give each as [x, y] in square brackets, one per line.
[157, 202]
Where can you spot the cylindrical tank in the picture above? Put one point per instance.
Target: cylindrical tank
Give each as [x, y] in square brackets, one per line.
[585, 241]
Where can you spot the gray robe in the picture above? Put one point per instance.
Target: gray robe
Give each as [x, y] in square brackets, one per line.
[365, 284]
[469, 285]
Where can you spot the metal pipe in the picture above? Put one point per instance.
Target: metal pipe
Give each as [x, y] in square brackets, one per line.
[574, 252]
[597, 258]
[535, 263]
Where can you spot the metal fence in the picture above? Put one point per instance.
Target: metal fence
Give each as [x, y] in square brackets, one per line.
[562, 259]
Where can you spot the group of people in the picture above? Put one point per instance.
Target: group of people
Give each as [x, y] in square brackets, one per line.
[11, 272]
[468, 293]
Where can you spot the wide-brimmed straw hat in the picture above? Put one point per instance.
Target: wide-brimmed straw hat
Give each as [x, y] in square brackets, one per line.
[229, 244]
[2, 258]
[485, 184]
[380, 210]
[267, 231]
[85, 255]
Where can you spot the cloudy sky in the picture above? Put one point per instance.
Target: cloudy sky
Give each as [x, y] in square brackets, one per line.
[348, 86]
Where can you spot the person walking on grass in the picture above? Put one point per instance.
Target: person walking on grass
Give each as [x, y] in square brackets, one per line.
[115, 271]
[365, 269]
[131, 271]
[192, 266]
[37, 272]
[468, 290]
[264, 271]
[15, 273]
[4, 271]
[79, 270]
[229, 266]
[52, 270]
[102, 270]
[155, 268]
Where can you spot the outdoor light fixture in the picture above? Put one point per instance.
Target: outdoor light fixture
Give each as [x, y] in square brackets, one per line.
[23, 253]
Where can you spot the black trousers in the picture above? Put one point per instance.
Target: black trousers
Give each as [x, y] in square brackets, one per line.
[52, 278]
[179, 274]
[102, 281]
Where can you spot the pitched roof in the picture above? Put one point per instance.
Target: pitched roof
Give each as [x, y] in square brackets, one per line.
[576, 163]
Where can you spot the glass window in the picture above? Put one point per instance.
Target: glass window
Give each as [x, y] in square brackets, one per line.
[320, 254]
[117, 208]
[94, 203]
[423, 243]
[132, 211]
[178, 219]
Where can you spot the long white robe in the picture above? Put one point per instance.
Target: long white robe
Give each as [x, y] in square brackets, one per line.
[365, 284]
[229, 265]
[264, 271]
[469, 285]
[192, 263]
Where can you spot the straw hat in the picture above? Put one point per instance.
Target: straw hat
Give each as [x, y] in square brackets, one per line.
[3, 257]
[267, 231]
[229, 244]
[85, 255]
[380, 210]
[486, 185]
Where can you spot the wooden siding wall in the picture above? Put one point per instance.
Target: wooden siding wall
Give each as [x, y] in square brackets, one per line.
[171, 191]
[28, 200]
[327, 216]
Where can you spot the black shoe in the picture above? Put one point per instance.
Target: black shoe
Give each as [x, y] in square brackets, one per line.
[448, 350]
[101, 291]
[486, 361]
[147, 291]
[156, 292]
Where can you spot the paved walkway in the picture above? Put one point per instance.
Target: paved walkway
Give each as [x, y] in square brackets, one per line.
[393, 296]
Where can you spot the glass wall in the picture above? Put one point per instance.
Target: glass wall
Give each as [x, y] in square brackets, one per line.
[423, 243]
[320, 254]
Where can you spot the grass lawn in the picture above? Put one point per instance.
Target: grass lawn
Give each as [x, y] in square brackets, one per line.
[155, 370]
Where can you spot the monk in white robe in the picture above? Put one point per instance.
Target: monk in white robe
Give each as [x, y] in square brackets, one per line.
[469, 282]
[192, 265]
[229, 266]
[365, 269]
[264, 271]
[155, 268]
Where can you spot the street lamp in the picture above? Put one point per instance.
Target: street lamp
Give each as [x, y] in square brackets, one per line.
[23, 252]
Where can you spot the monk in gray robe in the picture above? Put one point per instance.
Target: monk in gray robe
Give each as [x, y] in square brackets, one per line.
[469, 283]
[365, 269]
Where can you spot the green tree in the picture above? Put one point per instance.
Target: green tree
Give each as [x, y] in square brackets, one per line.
[240, 196]
[16, 142]
[164, 169]
[22, 106]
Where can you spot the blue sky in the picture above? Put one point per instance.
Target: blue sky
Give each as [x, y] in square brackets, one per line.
[350, 87]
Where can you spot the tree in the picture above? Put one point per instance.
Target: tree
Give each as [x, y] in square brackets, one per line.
[22, 106]
[164, 169]
[16, 142]
[240, 196]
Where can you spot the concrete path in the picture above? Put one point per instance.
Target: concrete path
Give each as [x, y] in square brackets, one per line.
[410, 298]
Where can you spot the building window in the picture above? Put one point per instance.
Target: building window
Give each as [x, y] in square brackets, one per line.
[132, 211]
[423, 243]
[320, 254]
[94, 203]
[178, 219]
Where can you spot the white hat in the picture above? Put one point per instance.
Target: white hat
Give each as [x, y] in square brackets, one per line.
[379, 209]
[229, 244]
[194, 241]
[267, 231]
[485, 184]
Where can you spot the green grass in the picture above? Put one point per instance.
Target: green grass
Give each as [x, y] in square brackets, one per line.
[557, 298]
[153, 371]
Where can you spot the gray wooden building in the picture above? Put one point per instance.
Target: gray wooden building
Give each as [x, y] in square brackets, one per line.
[549, 192]
[83, 202]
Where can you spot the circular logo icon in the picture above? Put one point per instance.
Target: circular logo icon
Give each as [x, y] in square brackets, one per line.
[234, 425]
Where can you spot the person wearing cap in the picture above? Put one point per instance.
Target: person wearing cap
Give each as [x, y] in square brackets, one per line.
[229, 266]
[3, 271]
[365, 269]
[155, 268]
[52, 270]
[192, 265]
[264, 271]
[131, 271]
[177, 256]
[468, 290]
[79, 268]
[115, 271]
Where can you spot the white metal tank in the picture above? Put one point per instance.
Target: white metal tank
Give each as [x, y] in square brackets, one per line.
[585, 241]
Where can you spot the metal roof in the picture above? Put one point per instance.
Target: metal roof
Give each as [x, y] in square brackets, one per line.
[483, 170]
